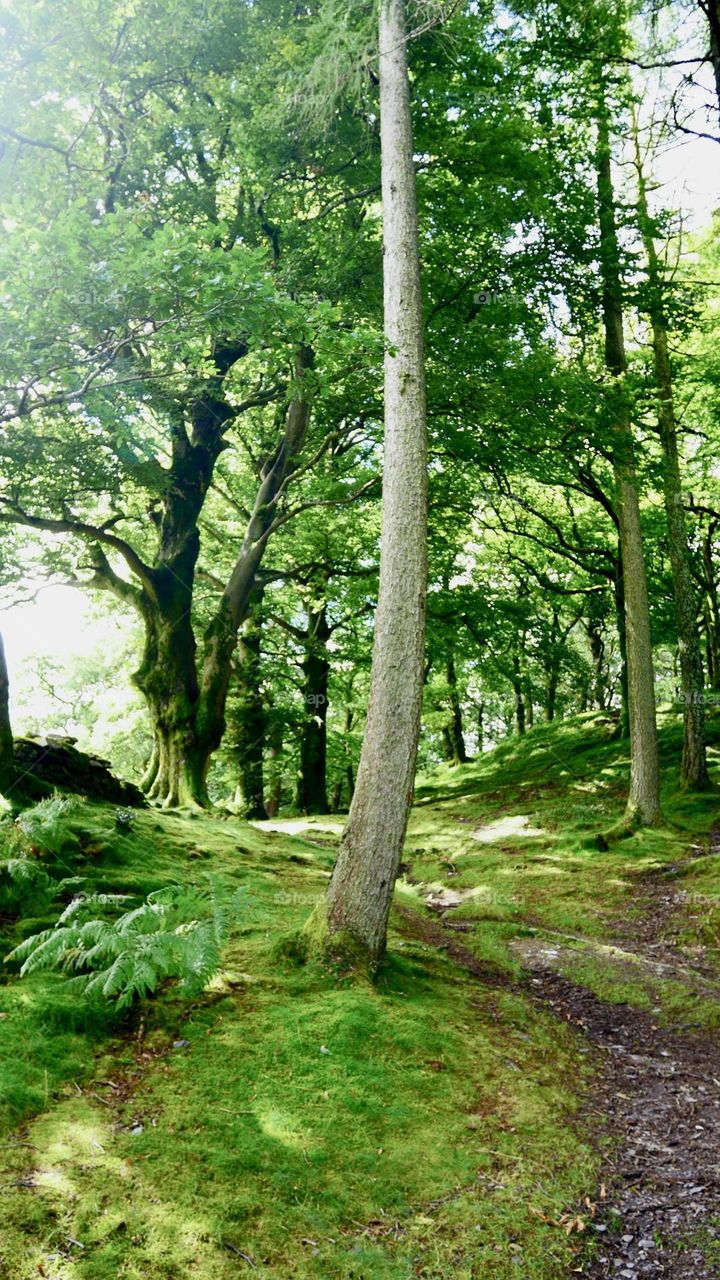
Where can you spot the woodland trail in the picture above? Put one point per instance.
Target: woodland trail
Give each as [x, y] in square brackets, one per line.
[655, 1097]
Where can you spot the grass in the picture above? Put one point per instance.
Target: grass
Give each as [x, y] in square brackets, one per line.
[298, 1125]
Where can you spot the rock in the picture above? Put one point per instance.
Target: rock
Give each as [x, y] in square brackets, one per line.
[57, 761]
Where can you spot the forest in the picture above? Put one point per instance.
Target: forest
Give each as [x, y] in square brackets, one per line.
[360, 652]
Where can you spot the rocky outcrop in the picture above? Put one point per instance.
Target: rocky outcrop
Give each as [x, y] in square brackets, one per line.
[57, 761]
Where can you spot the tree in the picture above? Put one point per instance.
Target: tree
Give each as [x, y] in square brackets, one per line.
[360, 891]
[644, 799]
[693, 773]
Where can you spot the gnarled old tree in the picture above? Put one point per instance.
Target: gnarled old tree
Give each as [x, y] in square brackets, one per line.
[185, 690]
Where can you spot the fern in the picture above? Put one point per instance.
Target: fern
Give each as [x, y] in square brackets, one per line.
[177, 932]
[23, 883]
[48, 825]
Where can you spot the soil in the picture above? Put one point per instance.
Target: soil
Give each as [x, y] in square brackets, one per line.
[655, 1105]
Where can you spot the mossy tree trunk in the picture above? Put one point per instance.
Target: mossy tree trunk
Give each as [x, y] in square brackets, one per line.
[644, 799]
[693, 772]
[361, 889]
[7, 757]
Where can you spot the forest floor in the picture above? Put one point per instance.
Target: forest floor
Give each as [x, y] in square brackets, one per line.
[531, 1089]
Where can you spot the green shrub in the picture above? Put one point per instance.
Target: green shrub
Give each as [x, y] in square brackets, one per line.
[177, 932]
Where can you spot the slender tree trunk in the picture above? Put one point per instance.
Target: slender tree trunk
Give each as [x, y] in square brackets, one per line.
[623, 729]
[597, 655]
[458, 753]
[274, 766]
[516, 681]
[249, 712]
[480, 727]
[712, 606]
[361, 888]
[7, 751]
[693, 772]
[552, 669]
[644, 799]
[311, 796]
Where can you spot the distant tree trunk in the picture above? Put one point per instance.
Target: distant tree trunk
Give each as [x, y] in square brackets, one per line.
[311, 796]
[644, 799]
[712, 606]
[7, 758]
[623, 729]
[693, 772]
[249, 712]
[274, 765]
[552, 668]
[480, 727]
[516, 681]
[361, 888]
[458, 753]
[597, 655]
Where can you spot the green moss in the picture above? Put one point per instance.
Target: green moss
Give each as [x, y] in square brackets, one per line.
[323, 1126]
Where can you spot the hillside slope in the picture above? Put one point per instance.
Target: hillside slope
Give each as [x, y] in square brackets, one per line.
[293, 1122]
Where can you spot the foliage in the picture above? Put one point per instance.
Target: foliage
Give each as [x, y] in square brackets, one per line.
[177, 932]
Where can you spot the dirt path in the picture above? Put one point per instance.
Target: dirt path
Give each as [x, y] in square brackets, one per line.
[656, 1100]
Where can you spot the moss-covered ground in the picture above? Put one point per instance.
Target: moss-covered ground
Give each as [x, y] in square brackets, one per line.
[296, 1123]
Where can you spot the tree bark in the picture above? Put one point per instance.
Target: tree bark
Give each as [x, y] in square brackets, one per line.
[311, 796]
[644, 799]
[597, 655]
[249, 713]
[274, 765]
[712, 607]
[693, 770]
[7, 758]
[360, 891]
[516, 681]
[458, 752]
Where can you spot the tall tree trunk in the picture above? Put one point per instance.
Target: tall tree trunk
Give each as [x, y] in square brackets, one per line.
[311, 796]
[693, 772]
[458, 753]
[7, 758]
[249, 712]
[361, 888]
[644, 799]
